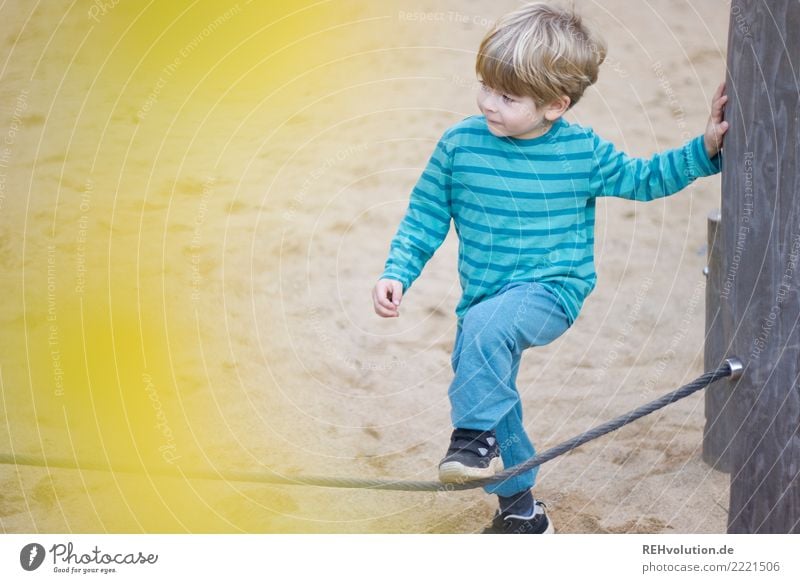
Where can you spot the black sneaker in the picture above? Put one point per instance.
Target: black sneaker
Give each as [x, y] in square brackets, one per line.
[472, 454]
[536, 523]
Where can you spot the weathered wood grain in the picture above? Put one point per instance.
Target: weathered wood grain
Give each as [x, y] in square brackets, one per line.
[719, 428]
[760, 244]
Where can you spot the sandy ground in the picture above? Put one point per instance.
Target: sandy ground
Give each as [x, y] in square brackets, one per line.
[232, 236]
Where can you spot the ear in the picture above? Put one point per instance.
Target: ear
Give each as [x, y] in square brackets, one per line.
[555, 109]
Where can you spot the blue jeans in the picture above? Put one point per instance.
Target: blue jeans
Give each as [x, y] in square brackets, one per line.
[489, 343]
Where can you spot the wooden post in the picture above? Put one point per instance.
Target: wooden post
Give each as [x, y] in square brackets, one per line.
[719, 427]
[760, 263]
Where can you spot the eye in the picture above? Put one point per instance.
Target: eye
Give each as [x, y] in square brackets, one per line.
[508, 99]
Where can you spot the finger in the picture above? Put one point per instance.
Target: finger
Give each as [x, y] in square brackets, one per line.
[719, 132]
[397, 293]
[385, 312]
[380, 295]
[383, 300]
[719, 92]
[382, 310]
[386, 303]
[718, 110]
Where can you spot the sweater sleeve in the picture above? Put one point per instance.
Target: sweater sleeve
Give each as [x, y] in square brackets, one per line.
[614, 173]
[426, 222]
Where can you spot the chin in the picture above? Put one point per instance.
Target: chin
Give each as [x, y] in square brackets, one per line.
[495, 131]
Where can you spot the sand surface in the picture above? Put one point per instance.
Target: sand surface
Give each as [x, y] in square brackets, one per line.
[205, 238]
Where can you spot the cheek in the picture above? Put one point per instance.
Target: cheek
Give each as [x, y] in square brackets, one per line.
[528, 114]
[514, 117]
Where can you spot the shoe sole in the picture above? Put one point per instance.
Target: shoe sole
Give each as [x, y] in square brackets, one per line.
[549, 530]
[458, 473]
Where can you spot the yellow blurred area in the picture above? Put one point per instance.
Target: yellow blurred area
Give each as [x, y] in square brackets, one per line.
[200, 53]
[126, 198]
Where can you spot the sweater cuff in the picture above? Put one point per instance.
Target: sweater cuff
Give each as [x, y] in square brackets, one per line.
[699, 163]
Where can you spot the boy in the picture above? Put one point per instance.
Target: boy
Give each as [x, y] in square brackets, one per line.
[520, 185]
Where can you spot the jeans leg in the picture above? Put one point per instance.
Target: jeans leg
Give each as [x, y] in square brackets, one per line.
[515, 448]
[481, 393]
[489, 345]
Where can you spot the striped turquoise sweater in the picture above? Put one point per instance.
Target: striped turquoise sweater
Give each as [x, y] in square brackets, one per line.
[524, 210]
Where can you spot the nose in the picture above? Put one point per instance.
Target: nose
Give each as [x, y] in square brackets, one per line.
[489, 102]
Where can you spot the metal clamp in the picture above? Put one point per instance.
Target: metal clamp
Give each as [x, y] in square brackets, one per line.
[736, 367]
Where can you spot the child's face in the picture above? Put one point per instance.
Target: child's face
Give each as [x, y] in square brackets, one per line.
[512, 115]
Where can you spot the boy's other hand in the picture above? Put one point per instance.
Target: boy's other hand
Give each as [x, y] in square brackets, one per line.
[716, 127]
[386, 297]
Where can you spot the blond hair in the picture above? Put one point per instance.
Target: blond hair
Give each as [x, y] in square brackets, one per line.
[540, 51]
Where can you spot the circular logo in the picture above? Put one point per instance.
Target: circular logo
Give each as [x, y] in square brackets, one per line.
[31, 556]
